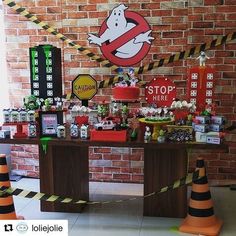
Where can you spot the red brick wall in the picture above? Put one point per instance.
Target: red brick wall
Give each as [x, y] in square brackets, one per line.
[176, 25]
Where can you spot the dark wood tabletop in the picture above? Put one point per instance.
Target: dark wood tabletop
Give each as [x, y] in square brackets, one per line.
[152, 144]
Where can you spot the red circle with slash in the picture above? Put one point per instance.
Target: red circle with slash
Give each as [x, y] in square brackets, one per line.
[109, 48]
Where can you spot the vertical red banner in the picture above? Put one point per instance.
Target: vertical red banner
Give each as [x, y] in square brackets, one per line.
[201, 86]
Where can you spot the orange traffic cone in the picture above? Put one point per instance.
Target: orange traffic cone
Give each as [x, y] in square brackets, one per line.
[201, 218]
[7, 209]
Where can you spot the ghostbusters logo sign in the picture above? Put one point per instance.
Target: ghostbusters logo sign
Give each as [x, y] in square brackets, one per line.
[124, 37]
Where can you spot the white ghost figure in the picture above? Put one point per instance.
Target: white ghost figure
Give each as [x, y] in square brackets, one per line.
[117, 25]
[202, 58]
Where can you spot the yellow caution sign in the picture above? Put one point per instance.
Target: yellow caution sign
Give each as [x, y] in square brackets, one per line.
[84, 87]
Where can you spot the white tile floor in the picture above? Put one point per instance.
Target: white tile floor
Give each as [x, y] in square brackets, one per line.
[123, 219]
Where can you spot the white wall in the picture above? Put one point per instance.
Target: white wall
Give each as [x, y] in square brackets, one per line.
[4, 92]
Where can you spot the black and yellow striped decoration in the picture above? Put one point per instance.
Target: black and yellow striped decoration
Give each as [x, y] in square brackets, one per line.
[8, 191]
[220, 40]
[22, 11]
[183, 55]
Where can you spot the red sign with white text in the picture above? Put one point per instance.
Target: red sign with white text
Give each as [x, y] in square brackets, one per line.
[160, 91]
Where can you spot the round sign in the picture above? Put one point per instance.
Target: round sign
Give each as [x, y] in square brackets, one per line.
[84, 87]
[160, 91]
[123, 50]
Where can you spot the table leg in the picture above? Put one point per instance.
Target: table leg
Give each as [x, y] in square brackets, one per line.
[64, 172]
[161, 168]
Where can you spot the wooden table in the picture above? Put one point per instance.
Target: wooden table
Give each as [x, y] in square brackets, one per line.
[64, 170]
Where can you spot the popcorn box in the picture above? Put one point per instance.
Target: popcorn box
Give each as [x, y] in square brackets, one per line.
[201, 128]
[203, 119]
[201, 137]
[216, 127]
[213, 140]
[220, 120]
[5, 134]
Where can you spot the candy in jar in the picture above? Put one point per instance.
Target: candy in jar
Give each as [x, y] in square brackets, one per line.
[74, 131]
[61, 131]
[32, 130]
[6, 115]
[23, 115]
[14, 115]
[31, 116]
[84, 132]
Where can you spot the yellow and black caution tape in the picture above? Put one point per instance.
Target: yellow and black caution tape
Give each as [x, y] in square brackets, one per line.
[7, 191]
[22, 11]
[183, 55]
[220, 40]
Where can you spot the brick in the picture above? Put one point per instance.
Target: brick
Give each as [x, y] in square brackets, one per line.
[230, 2]
[77, 15]
[218, 163]
[227, 170]
[18, 161]
[11, 32]
[225, 24]
[88, 8]
[213, 2]
[118, 150]
[138, 178]
[134, 157]
[211, 170]
[96, 14]
[100, 163]
[161, 12]
[112, 170]
[32, 174]
[95, 169]
[172, 5]
[225, 8]
[112, 157]
[47, 3]
[195, 3]
[179, 26]
[25, 167]
[31, 162]
[97, 1]
[101, 176]
[54, 10]
[203, 24]
[214, 31]
[120, 163]
[150, 5]
[233, 164]
[132, 170]
[197, 17]
[169, 20]
[174, 34]
[17, 148]
[215, 17]
[217, 176]
[180, 12]
[229, 75]
[102, 150]
[122, 176]
[138, 164]
[232, 150]
[25, 154]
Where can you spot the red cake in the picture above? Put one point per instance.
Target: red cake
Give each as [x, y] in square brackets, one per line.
[125, 93]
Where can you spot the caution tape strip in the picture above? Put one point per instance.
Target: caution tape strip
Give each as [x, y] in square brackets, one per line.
[220, 40]
[22, 11]
[183, 55]
[9, 191]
